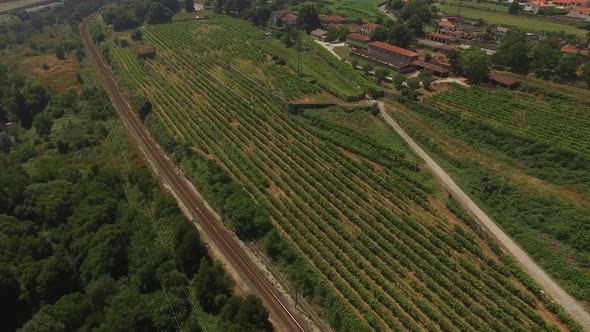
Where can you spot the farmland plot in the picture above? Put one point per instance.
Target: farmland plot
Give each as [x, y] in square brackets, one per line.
[384, 254]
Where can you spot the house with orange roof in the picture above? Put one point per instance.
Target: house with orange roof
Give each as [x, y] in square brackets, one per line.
[569, 48]
[357, 38]
[580, 12]
[389, 55]
[571, 3]
[333, 19]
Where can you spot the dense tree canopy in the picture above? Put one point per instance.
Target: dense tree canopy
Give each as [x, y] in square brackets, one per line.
[475, 64]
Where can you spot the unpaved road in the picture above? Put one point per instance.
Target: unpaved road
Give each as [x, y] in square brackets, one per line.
[281, 314]
[571, 306]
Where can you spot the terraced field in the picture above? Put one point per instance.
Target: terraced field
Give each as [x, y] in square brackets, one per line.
[384, 252]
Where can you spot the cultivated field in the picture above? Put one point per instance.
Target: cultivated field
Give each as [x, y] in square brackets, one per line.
[382, 252]
[523, 155]
[512, 20]
[366, 10]
[16, 4]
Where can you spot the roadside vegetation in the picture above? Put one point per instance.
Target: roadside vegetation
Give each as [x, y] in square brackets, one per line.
[351, 218]
[89, 241]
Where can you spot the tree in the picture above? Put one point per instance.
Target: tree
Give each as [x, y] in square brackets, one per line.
[308, 18]
[42, 124]
[514, 8]
[142, 106]
[260, 16]
[545, 57]
[396, 5]
[158, 14]
[426, 78]
[427, 57]
[252, 315]
[354, 63]
[379, 34]
[416, 26]
[398, 81]
[420, 8]
[188, 249]
[568, 66]
[59, 52]
[70, 311]
[399, 35]
[514, 50]
[413, 83]
[107, 253]
[99, 291]
[211, 286]
[189, 6]
[586, 73]
[475, 64]
[381, 74]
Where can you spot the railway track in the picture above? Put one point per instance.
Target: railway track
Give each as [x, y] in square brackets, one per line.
[281, 314]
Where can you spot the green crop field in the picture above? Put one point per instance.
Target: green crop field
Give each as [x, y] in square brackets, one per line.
[379, 250]
[523, 155]
[16, 4]
[478, 5]
[555, 121]
[513, 20]
[366, 10]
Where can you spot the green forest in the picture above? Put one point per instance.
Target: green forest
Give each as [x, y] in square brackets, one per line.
[88, 240]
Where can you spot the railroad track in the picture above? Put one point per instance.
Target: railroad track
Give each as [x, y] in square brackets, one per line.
[275, 302]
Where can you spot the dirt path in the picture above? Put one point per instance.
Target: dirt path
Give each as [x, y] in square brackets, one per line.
[571, 306]
[229, 248]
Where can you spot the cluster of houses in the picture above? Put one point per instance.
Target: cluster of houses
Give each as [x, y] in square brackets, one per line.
[577, 8]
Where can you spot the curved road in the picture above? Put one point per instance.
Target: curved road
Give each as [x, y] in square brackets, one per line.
[571, 306]
[274, 301]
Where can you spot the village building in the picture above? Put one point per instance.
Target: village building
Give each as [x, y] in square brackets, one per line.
[498, 79]
[439, 37]
[367, 29]
[537, 6]
[571, 4]
[319, 34]
[289, 19]
[436, 70]
[386, 54]
[450, 29]
[569, 48]
[333, 19]
[357, 38]
[580, 12]
[501, 32]
[276, 17]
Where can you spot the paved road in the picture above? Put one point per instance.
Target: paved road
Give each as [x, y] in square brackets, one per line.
[571, 306]
[280, 313]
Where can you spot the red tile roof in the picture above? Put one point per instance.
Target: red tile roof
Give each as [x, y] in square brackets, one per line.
[581, 10]
[334, 25]
[434, 68]
[446, 24]
[371, 26]
[394, 49]
[439, 35]
[358, 36]
[333, 18]
[569, 48]
[289, 17]
[495, 76]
